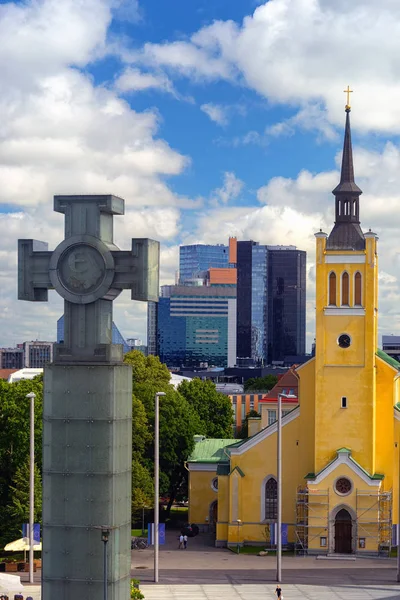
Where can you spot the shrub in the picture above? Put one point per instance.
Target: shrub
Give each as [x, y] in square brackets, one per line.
[136, 594]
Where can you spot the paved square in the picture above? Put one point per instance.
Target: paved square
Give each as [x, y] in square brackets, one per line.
[266, 592]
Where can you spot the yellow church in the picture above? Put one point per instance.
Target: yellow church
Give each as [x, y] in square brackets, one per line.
[341, 442]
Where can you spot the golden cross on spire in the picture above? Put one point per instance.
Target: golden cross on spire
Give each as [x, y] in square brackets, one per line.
[348, 91]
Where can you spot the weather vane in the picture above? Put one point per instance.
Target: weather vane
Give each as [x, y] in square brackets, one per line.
[348, 91]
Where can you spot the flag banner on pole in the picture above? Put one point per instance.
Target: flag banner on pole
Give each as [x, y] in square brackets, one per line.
[284, 530]
[36, 532]
[394, 535]
[161, 534]
[284, 533]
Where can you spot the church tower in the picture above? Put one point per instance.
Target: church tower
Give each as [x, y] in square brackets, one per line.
[346, 328]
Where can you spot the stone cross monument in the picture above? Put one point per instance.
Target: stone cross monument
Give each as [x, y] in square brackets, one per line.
[87, 409]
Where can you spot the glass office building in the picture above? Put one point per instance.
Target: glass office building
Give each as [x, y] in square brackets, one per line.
[286, 302]
[197, 325]
[271, 302]
[195, 260]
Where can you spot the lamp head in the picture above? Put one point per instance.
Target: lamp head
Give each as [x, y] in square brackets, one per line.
[105, 534]
[31, 395]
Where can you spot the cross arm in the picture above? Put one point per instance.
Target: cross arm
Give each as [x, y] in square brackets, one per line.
[138, 269]
[33, 270]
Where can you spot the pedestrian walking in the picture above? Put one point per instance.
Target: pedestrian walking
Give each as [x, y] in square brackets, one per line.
[278, 592]
[185, 541]
[180, 541]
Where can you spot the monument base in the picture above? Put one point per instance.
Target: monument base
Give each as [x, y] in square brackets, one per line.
[87, 446]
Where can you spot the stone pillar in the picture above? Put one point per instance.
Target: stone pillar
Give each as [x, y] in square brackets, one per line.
[87, 445]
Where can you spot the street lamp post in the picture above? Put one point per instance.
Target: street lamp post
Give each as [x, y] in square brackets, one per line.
[238, 521]
[31, 397]
[105, 534]
[279, 489]
[156, 480]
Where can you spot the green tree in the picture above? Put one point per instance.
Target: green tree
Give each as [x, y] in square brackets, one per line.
[179, 422]
[18, 510]
[244, 430]
[142, 489]
[262, 384]
[214, 409]
[14, 440]
[141, 434]
[147, 369]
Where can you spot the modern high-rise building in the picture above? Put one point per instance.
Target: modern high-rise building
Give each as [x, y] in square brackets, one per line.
[152, 310]
[195, 260]
[37, 354]
[11, 358]
[286, 302]
[391, 345]
[197, 325]
[271, 296]
[194, 322]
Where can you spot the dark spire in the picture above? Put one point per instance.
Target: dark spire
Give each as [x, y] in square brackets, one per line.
[347, 184]
[347, 234]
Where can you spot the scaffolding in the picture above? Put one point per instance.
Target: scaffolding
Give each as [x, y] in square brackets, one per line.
[372, 528]
[374, 520]
[312, 518]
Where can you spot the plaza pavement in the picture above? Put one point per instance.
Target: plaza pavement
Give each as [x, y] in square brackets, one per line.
[203, 572]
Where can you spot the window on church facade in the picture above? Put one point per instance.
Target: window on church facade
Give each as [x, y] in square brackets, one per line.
[345, 289]
[332, 289]
[357, 289]
[271, 499]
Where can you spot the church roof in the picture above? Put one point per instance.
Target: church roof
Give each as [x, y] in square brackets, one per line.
[210, 450]
[388, 359]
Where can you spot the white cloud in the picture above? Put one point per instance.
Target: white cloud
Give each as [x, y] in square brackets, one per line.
[312, 117]
[301, 52]
[292, 210]
[62, 133]
[134, 80]
[216, 112]
[230, 190]
[127, 10]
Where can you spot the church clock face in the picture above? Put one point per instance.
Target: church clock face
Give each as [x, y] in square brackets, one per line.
[344, 340]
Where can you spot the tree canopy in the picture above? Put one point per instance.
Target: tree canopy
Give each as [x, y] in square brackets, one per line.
[14, 450]
[262, 384]
[213, 408]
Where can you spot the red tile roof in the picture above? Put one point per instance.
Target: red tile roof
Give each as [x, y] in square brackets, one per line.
[287, 382]
[5, 373]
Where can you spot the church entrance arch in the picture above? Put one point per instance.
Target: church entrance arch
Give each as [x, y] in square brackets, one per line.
[343, 532]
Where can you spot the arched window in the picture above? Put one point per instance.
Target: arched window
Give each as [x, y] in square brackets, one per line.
[345, 289]
[332, 289]
[271, 499]
[357, 290]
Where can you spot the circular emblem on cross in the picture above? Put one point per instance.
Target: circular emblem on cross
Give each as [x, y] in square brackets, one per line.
[82, 269]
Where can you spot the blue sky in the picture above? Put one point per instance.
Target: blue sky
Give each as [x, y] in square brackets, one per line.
[210, 118]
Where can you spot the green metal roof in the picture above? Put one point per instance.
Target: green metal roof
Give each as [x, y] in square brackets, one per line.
[210, 451]
[388, 359]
